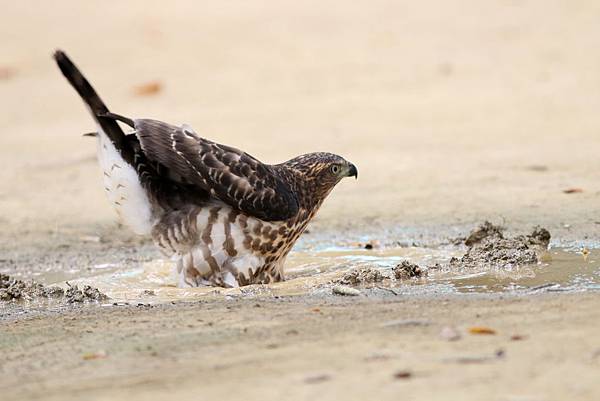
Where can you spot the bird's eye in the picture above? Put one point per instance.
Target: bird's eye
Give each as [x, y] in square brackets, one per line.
[335, 169]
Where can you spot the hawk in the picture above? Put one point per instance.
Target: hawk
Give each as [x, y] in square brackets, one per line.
[225, 217]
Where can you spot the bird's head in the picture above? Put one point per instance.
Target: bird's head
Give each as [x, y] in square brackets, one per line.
[322, 171]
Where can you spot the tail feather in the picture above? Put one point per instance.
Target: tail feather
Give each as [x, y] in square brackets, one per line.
[118, 117]
[96, 105]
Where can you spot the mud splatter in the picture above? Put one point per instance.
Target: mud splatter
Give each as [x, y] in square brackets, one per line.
[406, 270]
[87, 293]
[12, 289]
[488, 247]
[485, 230]
[363, 275]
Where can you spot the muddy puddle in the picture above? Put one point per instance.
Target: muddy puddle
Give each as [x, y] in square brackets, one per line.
[314, 269]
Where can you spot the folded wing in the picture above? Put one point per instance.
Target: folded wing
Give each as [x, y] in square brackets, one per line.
[228, 174]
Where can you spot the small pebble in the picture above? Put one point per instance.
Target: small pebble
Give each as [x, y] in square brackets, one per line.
[343, 290]
[373, 244]
[403, 374]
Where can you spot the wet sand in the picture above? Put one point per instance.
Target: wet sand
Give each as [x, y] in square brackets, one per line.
[454, 112]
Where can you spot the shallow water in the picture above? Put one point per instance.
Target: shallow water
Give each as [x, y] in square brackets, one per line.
[310, 269]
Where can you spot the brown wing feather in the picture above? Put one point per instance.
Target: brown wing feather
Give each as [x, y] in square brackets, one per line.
[229, 174]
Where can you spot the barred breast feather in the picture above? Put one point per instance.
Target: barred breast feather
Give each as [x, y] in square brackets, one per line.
[217, 245]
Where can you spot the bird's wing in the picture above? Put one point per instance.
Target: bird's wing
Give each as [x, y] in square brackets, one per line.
[234, 177]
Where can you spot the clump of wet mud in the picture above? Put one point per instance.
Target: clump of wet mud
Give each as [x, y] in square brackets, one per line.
[488, 246]
[87, 293]
[12, 289]
[407, 270]
[485, 230]
[363, 275]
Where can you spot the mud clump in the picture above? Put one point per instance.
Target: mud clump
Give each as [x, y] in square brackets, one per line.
[75, 295]
[12, 289]
[406, 270]
[488, 246]
[363, 275]
[540, 237]
[482, 232]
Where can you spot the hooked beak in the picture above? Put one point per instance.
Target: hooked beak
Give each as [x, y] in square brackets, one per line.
[352, 171]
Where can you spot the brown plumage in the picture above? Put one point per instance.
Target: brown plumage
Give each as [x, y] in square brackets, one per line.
[226, 217]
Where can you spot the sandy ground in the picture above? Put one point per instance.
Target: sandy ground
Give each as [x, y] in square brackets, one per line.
[309, 349]
[453, 111]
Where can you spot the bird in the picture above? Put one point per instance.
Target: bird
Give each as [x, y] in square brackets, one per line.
[225, 218]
